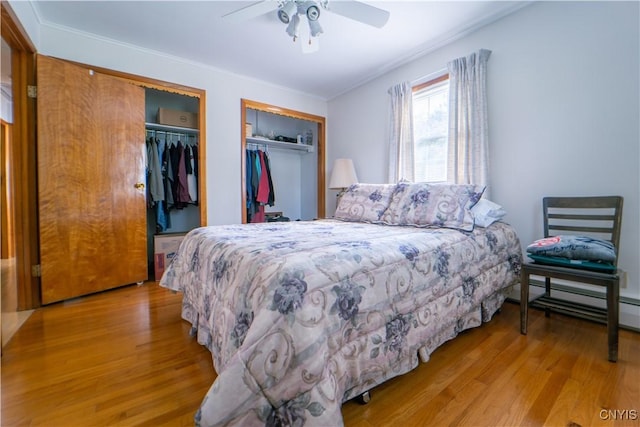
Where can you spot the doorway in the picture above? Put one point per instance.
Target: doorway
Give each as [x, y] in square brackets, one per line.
[258, 120]
[11, 318]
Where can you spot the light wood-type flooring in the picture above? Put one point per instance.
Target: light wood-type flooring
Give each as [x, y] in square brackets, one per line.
[10, 318]
[125, 358]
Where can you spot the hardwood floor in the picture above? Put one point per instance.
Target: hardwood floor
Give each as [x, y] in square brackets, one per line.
[125, 358]
[10, 318]
[118, 358]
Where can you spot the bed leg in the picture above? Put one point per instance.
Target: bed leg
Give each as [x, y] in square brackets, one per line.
[364, 398]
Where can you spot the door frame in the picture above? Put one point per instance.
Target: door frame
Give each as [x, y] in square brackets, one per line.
[321, 162]
[23, 162]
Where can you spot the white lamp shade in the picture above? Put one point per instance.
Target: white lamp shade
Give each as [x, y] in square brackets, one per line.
[343, 174]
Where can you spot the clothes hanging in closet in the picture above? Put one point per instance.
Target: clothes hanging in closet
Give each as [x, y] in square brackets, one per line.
[259, 185]
[172, 176]
[182, 190]
[182, 174]
[155, 182]
[192, 173]
[154, 171]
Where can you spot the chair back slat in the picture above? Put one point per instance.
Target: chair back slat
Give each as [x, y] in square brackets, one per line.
[583, 230]
[583, 217]
[599, 217]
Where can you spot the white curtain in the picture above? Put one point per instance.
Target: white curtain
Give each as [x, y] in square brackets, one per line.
[401, 147]
[468, 158]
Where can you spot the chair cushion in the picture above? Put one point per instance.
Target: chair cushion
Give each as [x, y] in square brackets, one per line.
[574, 248]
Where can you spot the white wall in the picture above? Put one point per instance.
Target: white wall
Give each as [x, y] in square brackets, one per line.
[6, 105]
[564, 94]
[223, 93]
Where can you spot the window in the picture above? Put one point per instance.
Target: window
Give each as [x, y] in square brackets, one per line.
[430, 129]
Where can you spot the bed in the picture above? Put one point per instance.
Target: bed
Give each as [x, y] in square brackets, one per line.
[302, 316]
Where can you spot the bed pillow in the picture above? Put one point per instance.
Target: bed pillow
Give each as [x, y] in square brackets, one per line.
[486, 212]
[433, 205]
[574, 248]
[364, 202]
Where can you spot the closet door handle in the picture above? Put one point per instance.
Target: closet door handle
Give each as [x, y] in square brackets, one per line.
[139, 186]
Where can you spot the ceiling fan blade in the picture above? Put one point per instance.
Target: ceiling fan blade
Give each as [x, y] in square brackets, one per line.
[251, 11]
[360, 12]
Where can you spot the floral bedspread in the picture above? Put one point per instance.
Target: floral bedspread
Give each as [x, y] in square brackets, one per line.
[301, 316]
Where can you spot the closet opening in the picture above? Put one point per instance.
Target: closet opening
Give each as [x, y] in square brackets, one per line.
[173, 174]
[282, 163]
[118, 166]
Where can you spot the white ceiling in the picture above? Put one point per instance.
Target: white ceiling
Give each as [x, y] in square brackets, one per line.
[350, 52]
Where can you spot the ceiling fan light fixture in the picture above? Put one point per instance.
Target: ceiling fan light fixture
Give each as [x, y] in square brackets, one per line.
[288, 10]
[315, 28]
[313, 11]
[293, 28]
[292, 12]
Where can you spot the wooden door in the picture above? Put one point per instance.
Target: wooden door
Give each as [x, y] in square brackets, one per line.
[91, 174]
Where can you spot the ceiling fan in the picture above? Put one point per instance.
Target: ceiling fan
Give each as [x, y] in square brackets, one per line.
[292, 12]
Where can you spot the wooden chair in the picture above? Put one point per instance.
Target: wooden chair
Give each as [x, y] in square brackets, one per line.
[587, 216]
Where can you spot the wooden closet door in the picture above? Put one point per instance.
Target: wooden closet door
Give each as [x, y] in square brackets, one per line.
[91, 175]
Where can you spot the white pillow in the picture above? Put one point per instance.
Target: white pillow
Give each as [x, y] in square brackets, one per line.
[486, 212]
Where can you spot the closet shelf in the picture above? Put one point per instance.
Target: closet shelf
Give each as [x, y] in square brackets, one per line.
[157, 126]
[279, 144]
